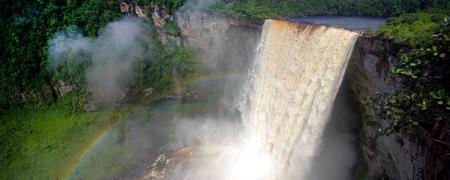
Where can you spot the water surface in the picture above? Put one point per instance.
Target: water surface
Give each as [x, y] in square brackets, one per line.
[358, 23]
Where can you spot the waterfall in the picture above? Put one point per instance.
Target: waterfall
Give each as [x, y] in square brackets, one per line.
[293, 83]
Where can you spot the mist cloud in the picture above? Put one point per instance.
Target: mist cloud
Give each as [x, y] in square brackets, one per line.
[113, 56]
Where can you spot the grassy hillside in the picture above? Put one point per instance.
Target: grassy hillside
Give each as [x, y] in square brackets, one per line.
[47, 143]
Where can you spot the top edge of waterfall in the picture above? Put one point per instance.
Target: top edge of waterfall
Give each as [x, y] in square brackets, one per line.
[304, 25]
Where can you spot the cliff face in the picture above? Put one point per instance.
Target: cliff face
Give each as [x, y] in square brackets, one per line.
[227, 45]
[224, 44]
[394, 156]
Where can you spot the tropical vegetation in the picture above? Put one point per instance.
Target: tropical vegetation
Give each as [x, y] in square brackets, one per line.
[424, 102]
[42, 132]
[262, 9]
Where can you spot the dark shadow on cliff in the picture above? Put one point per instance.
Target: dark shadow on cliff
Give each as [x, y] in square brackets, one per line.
[339, 151]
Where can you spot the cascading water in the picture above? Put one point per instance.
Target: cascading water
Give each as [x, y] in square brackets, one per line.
[293, 84]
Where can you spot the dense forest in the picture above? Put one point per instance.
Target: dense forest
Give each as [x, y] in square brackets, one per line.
[28, 28]
[31, 104]
[27, 33]
[424, 103]
[260, 9]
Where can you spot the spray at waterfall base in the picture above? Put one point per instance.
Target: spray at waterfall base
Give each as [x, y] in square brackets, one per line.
[291, 89]
[240, 161]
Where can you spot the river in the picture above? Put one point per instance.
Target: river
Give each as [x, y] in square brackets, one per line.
[357, 23]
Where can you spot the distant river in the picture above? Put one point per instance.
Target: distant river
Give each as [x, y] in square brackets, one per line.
[358, 23]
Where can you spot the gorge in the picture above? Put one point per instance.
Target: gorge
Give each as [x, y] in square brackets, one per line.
[225, 90]
[296, 88]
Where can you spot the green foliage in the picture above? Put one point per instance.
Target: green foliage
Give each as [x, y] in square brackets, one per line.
[170, 5]
[171, 28]
[46, 143]
[39, 140]
[425, 101]
[71, 72]
[170, 62]
[27, 28]
[413, 29]
[262, 9]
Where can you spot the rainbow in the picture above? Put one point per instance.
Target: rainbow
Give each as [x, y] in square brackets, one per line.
[103, 132]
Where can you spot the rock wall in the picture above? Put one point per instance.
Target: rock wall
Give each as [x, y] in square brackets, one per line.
[394, 156]
[224, 44]
[130, 7]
